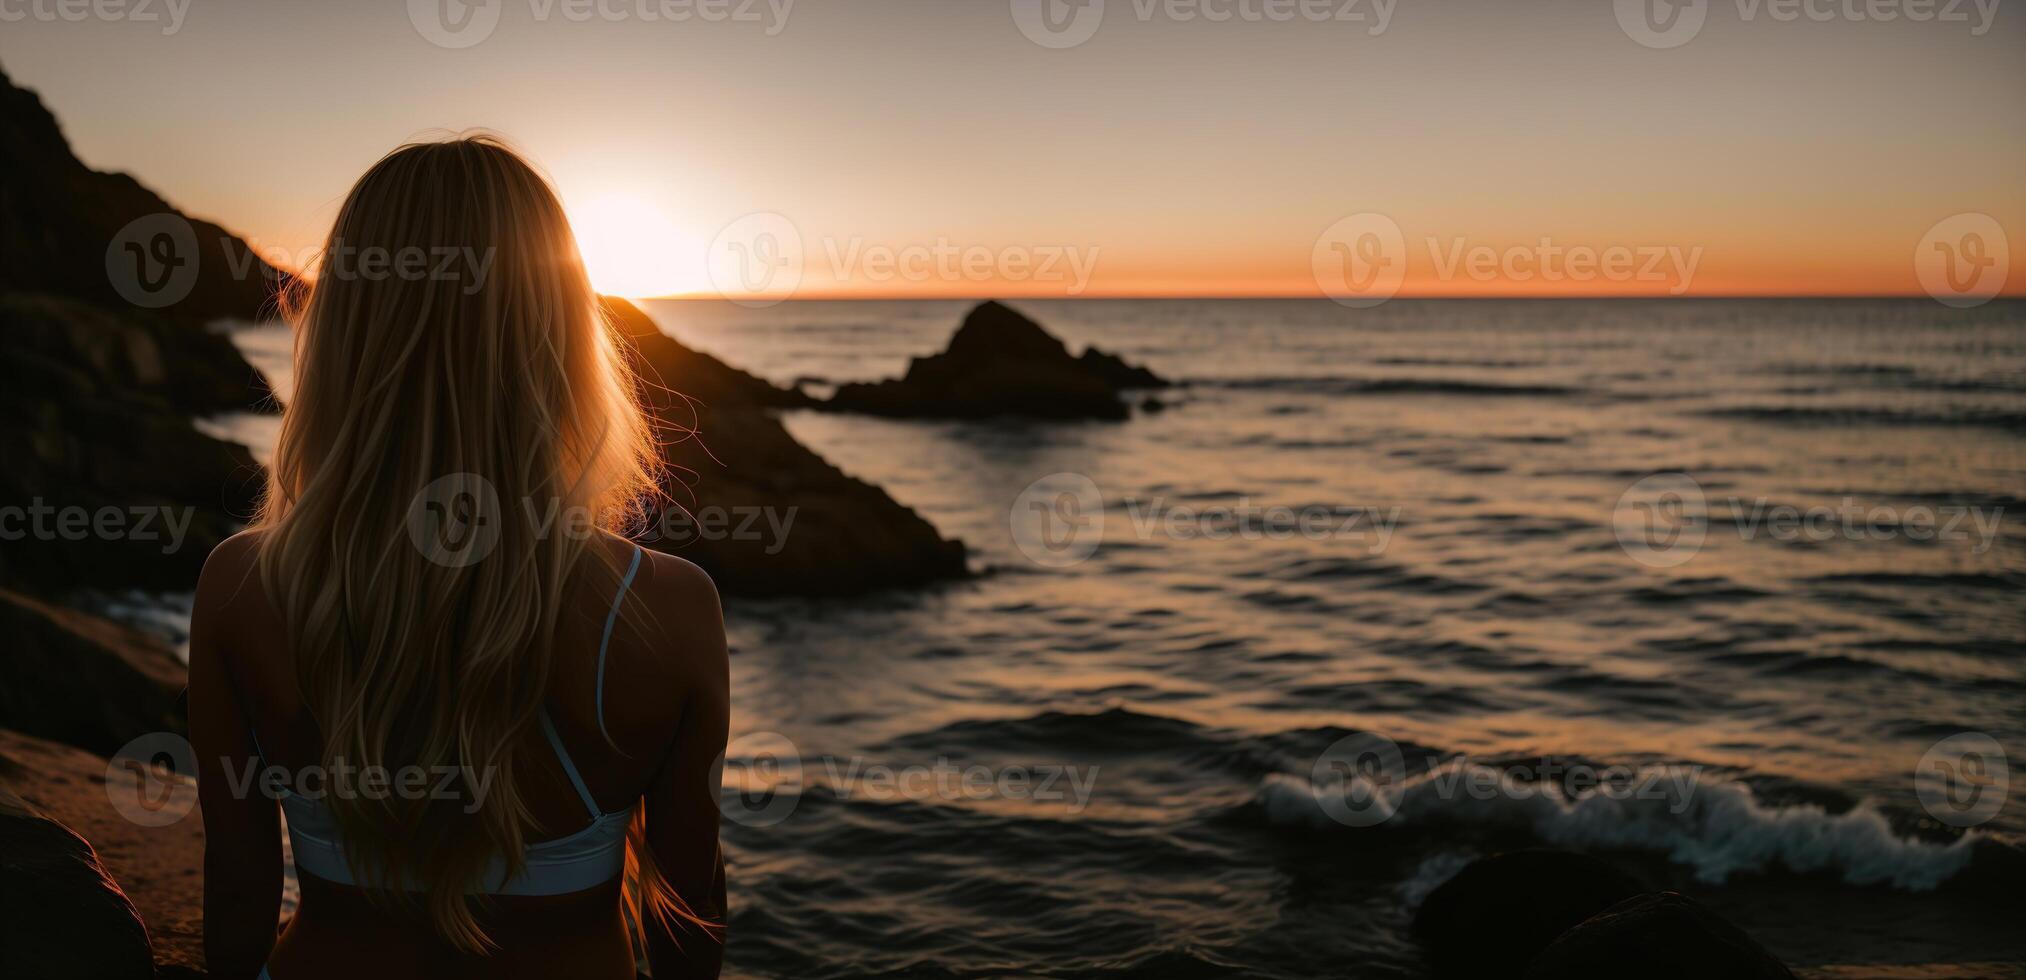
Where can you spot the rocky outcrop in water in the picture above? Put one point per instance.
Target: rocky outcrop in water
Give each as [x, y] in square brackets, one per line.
[116, 488]
[765, 515]
[1002, 363]
[70, 230]
[1661, 936]
[1561, 915]
[1499, 911]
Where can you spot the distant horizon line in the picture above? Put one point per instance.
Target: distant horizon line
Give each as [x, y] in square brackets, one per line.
[906, 297]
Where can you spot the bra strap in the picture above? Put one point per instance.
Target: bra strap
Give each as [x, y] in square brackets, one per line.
[569, 765]
[605, 642]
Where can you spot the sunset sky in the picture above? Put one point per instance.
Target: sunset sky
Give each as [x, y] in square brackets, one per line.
[934, 149]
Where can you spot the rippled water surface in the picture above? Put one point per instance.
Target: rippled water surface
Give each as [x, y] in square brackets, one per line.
[1489, 615]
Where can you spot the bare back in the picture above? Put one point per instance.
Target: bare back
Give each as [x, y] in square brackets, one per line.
[663, 702]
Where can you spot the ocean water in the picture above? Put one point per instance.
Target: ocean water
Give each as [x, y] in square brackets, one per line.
[1197, 665]
[1241, 679]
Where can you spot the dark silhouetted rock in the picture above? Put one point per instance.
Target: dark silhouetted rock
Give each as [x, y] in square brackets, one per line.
[84, 349]
[1661, 936]
[667, 364]
[59, 217]
[95, 426]
[160, 868]
[78, 679]
[787, 521]
[61, 915]
[96, 395]
[1001, 363]
[1117, 373]
[1499, 911]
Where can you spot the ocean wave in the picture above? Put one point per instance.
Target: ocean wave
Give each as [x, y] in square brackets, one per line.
[1862, 416]
[1392, 386]
[1455, 362]
[1112, 731]
[1716, 826]
[1901, 377]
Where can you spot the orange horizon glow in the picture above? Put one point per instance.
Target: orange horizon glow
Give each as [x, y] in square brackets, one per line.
[1804, 159]
[1845, 269]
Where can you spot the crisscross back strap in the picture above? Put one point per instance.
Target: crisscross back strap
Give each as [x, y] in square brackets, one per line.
[569, 764]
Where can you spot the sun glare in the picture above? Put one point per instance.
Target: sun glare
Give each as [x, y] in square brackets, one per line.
[632, 248]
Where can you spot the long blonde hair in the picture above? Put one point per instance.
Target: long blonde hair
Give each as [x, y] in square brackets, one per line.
[449, 352]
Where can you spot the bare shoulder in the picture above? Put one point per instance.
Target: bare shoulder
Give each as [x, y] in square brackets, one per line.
[678, 583]
[679, 623]
[230, 577]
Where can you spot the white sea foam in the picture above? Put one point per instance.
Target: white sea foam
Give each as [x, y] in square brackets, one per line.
[1716, 826]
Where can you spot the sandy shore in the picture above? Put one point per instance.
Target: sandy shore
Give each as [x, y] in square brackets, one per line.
[160, 868]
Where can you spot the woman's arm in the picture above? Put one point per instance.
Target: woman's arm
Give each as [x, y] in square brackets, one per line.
[682, 803]
[242, 833]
